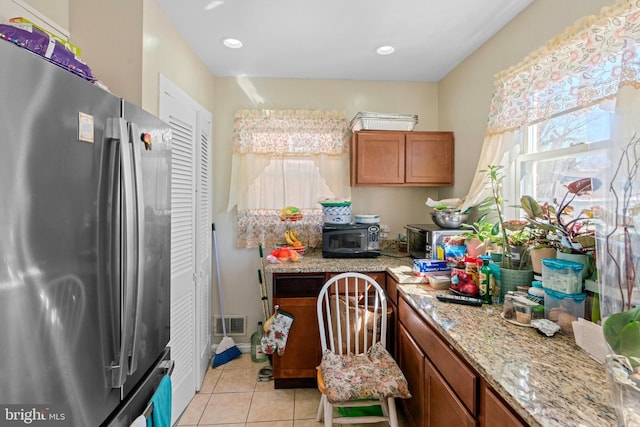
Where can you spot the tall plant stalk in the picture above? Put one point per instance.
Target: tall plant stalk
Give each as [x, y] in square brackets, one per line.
[628, 164]
[494, 173]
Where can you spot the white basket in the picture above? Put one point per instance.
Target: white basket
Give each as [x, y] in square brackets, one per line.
[383, 121]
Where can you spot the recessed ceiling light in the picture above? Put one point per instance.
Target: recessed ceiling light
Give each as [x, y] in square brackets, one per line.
[232, 43]
[212, 5]
[385, 50]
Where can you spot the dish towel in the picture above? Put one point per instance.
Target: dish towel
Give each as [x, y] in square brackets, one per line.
[141, 421]
[161, 399]
[275, 337]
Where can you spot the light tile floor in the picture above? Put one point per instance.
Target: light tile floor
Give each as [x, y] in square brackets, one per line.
[232, 396]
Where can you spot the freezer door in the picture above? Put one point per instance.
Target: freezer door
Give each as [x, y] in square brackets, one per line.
[138, 401]
[58, 300]
[150, 139]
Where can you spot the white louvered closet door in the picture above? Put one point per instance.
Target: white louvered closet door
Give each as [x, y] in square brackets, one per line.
[204, 243]
[182, 119]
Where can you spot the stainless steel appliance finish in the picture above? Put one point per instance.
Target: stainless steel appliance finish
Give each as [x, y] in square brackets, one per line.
[422, 239]
[350, 240]
[85, 248]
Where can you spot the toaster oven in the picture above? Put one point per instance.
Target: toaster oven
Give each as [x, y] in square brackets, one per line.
[423, 240]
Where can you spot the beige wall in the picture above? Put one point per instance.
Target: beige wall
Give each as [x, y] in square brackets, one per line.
[465, 93]
[166, 52]
[110, 36]
[396, 207]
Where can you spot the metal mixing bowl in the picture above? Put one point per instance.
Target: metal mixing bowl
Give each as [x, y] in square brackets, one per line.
[449, 218]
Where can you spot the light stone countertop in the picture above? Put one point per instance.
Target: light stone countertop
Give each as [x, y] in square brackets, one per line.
[548, 381]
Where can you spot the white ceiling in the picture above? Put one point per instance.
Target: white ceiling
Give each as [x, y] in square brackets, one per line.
[335, 39]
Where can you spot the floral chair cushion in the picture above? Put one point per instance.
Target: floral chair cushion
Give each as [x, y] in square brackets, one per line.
[370, 375]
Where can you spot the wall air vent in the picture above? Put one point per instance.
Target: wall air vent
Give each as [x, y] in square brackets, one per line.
[236, 325]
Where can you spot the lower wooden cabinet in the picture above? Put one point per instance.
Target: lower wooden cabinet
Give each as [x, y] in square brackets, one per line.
[443, 408]
[496, 413]
[445, 390]
[411, 361]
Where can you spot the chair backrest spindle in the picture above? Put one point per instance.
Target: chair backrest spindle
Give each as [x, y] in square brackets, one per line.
[352, 314]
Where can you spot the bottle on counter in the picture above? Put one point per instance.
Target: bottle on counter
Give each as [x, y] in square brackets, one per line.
[536, 293]
[484, 278]
[257, 355]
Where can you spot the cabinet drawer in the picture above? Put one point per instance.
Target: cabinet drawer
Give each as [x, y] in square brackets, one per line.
[458, 375]
[297, 285]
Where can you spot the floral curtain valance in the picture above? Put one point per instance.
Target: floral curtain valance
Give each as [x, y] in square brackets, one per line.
[585, 65]
[290, 133]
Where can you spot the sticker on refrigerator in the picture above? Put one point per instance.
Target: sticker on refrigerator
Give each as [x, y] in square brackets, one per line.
[85, 127]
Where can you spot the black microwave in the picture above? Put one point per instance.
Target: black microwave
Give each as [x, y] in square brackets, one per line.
[350, 240]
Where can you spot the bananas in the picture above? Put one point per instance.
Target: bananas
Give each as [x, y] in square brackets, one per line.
[291, 237]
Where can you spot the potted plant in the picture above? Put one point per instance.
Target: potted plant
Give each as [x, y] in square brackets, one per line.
[511, 235]
[573, 236]
[479, 237]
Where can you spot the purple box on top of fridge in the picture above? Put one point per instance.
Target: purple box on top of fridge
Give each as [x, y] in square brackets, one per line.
[424, 267]
[32, 38]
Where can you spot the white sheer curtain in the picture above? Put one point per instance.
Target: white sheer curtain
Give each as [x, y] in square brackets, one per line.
[282, 158]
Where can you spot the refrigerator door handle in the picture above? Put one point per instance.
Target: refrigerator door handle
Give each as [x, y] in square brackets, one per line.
[138, 255]
[126, 275]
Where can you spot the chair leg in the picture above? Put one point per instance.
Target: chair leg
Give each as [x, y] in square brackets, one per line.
[385, 407]
[328, 413]
[393, 415]
[320, 408]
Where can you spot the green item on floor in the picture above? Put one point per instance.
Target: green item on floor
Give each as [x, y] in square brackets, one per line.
[361, 411]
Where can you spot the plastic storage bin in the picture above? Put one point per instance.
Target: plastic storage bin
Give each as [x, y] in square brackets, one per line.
[562, 275]
[556, 303]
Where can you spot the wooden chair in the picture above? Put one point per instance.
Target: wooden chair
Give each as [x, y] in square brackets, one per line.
[352, 318]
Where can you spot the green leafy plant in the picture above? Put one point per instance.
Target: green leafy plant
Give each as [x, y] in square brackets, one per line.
[622, 333]
[481, 229]
[506, 233]
[556, 222]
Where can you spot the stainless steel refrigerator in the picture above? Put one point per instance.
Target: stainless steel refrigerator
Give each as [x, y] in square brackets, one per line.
[84, 248]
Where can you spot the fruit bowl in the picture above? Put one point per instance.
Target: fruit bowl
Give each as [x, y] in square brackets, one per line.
[299, 249]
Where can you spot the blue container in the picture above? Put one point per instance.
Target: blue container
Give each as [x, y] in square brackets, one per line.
[562, 275]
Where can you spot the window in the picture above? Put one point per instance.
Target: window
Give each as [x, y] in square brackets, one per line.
[561, 150]
[286, 158]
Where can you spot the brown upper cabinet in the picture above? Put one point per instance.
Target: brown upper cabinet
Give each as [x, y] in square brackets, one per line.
[396, 158]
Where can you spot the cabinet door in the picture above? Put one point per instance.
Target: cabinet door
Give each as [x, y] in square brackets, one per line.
[378, 158]
[411, 362]
[443, 408]
[303, 351]
[429, 158]
[392, 299]
[296, 294]
[495, 413]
